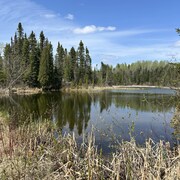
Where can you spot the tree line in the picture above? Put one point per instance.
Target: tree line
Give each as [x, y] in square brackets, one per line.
[140, 73]
[27, 61]
[30, 62]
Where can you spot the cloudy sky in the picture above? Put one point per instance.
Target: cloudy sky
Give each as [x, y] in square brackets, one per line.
[115, 31]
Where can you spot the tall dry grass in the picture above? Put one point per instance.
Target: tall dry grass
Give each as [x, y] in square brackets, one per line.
[36, 152]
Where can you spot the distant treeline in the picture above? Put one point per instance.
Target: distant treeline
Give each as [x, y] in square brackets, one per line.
[27, 61]
[141, 72]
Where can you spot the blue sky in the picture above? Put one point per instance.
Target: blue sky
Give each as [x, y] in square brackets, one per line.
[115, 31]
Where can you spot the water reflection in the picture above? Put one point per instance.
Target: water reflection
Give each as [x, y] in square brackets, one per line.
[104, 110]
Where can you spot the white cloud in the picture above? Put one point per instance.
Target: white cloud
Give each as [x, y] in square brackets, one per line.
[116, 46]
[49, 16]
[70, 17]
[92, 29]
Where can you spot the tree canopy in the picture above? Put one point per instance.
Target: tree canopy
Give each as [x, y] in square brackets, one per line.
[29, 61]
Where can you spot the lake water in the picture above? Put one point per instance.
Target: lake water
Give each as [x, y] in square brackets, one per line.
[110, 113]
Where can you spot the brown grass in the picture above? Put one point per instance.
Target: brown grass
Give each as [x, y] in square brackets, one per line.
[34, 152]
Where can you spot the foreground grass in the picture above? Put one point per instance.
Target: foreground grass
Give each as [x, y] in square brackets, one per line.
[35, 152]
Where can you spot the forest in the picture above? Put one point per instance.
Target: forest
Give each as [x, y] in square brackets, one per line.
[28, 61]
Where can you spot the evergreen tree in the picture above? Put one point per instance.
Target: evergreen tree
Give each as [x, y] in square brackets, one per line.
[59, 61]
[56, 79]
[46, 67]
[81, 62]
[67, 69]
[34, 61]
[25, 58]
[20, 37]
[88, 70]
[42, 41]
[73, 65]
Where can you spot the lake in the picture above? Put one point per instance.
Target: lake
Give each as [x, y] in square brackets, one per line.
[112, 114]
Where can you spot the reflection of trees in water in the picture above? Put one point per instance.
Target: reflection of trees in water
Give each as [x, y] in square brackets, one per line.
[19, 109]
[74, 109]
[153, 103]
[105, 101]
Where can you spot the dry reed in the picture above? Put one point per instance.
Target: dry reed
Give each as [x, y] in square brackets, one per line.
[36, 152]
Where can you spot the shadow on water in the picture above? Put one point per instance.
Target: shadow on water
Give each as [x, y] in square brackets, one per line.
[110, 113]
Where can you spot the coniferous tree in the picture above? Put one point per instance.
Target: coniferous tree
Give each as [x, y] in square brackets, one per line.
[56, 79]
[15, 60]
[59, 61]
[46, 67]
[88, 70]
[67, 69]
[73, 65]
[81, 62]
[25, 63]
[21, 63]
[34, 61]
[19, 56]
[20, 38]
[42, 41]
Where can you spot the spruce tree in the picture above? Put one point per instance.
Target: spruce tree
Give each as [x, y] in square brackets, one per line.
[46, 67]
[59, 61]
[42, 41]
[34, 61]
[88, 70]
[81, 62]
[20, 37]
[73, 65]
[56, 79]
[67, 69]
[25, 58]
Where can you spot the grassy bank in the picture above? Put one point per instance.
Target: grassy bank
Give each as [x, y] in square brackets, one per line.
[23, 91]
[34, 152]
[28, 91]
[101, 88]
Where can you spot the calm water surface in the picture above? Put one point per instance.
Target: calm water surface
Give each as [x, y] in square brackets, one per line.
[110, 113]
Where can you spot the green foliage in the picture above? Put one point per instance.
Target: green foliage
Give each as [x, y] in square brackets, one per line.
[20, 38]
[106, 74]
[59, 61]
[141, 72]
[34, 61]
[30, 62]
[88, 70]
[73, 64]
[2, 74]
[42, 41]
[46, 67]
[81, 62]
[67, 69]
[56, 80]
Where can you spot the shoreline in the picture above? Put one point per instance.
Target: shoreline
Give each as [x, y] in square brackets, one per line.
[30, 91]
[124, 87]
[20, 91]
